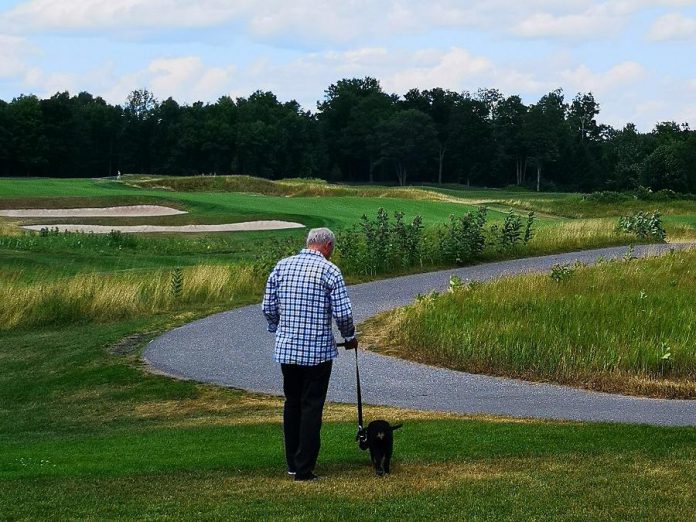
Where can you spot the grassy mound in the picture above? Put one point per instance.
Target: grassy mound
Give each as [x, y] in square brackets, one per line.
[624, 326]
[286, 187]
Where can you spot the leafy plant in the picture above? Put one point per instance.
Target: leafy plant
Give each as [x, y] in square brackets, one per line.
[528, 232]
[177, 282]
[379, 245]
[510, 233]
[645, 226]
[562, 272]
[462, 239]
[118, 239]
[455, 283]
[630, 254]
[665, 356]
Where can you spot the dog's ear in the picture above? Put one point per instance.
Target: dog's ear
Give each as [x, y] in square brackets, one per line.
[396, 427]
[361, 438]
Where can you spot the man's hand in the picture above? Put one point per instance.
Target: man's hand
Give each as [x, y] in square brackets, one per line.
[352, 344]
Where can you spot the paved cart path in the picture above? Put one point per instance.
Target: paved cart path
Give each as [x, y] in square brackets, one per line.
[234, 349]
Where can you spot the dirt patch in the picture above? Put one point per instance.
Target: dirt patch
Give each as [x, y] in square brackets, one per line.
[144, 229]
[120, 211]
[129, 345]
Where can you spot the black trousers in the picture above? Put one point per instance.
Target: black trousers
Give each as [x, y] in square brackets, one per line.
[305, 393]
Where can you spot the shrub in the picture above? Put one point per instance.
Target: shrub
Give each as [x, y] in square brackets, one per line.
[377, 246]
[462, 239]
[510, 233]
[562, 272]
[607, 196]
[645, 226]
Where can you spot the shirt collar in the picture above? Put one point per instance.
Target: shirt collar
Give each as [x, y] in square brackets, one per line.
[310, 252]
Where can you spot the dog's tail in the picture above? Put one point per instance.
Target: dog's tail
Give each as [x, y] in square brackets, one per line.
[396, 427]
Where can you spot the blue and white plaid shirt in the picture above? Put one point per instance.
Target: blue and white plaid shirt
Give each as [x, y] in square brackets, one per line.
[303, 293]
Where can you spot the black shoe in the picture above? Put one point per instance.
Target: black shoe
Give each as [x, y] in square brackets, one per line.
[306, 477]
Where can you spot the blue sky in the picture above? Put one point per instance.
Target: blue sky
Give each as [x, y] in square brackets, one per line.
[635, 56]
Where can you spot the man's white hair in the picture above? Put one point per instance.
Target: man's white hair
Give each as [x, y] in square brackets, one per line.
[320, 236]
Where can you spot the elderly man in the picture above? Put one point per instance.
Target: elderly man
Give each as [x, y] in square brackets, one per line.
[303, 293]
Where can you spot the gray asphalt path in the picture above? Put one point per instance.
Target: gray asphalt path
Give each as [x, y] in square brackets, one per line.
[234, 349]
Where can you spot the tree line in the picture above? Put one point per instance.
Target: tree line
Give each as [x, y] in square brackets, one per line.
[359, 133]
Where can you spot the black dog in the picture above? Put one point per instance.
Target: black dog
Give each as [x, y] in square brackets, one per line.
[379, 439]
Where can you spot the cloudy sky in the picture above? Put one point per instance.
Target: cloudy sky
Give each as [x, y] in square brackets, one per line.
[635, 56]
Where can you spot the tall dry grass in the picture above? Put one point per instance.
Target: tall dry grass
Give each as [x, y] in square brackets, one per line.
[9, 228]
[625, 326]
[575, 235]
[100, 297]
[680, 232]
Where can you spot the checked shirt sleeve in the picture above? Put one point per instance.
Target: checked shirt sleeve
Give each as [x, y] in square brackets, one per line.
[340, 306]
[270, 301]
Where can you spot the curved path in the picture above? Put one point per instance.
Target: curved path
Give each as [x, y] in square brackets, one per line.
[234, 349]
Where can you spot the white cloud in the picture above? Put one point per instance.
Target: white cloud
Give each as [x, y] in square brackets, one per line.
[91, 15]
[584, 25]
[47, 84]
[678, 101]
[312, 21]
[583, 79]
[186, 79]
[14, 52]
[456, 69]
[673, 26]
[585, 20]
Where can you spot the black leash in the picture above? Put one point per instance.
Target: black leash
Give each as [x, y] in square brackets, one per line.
[357, 378]
[361, 436]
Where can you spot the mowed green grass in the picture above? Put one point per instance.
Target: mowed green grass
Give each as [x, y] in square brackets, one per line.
[86, 433]
[622, 326]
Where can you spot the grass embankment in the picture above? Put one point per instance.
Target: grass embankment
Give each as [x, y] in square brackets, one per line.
[87, 434]
[285, 187]
[624, 326]
[576, 206]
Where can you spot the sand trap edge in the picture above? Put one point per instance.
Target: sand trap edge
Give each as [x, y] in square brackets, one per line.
[145, 229]
[120, 211]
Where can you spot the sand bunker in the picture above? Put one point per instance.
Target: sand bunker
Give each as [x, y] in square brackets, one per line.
[137, 229]
[122, 211]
